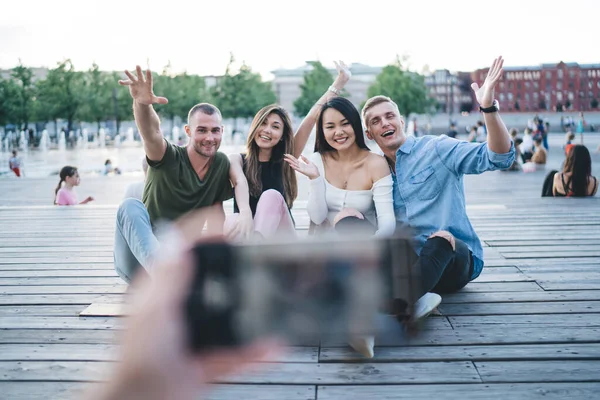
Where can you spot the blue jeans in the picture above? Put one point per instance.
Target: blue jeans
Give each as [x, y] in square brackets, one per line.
[135, 243]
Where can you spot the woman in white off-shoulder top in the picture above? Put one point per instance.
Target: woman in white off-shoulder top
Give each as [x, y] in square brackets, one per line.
[350, 187]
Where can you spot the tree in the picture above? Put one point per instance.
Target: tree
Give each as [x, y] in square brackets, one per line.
[97, 94]
[9, 102]
[315, 84]
[121, 102]
[25, 95]
[241, 94]
[407, 89]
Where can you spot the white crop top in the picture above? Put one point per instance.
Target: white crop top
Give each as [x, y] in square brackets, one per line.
[325, 201]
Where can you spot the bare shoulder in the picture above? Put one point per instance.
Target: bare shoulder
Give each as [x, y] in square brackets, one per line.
[235, 158]
[378, 166]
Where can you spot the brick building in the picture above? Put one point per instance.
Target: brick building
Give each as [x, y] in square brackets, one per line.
[547, 87]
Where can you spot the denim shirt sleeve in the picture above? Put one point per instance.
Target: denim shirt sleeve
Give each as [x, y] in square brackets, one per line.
[463, 157]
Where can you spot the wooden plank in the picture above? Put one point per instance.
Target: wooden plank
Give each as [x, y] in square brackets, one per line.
[569, 247]
[586, 351]
[54, 335]
[569, 285]
[537, 296]
[514, 391]
[32, 268]
[503, 277]
[45, 310]
[66, 281]
[533, 321]
[58, 299]
[543, 242]
[60, 273]
[38, 322]
[498, 287]
[578, 307]
[75, 390]
[96, 248]
[110, 352]
[65, 259]
[271, 373]
[536, 371]
[105, 310]
[104, 289]
[553, 254]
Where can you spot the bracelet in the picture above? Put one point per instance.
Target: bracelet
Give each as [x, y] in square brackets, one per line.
[334, 90]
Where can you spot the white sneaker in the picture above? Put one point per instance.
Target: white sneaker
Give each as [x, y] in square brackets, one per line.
[425, 305]
[364, 345]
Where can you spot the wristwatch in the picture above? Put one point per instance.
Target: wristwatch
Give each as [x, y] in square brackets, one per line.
[495, 107]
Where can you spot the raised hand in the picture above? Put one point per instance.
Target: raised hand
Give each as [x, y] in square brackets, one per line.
[141, 89]
[485, 93]
[344, 73]
[302, 165]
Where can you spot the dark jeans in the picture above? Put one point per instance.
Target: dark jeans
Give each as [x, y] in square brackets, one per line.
[441, 270]
[354, 225]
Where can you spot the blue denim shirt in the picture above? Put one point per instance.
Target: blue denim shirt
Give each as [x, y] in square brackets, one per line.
[428, 187]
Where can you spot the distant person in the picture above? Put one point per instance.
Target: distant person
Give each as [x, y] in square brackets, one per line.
[14, 163]
[66, 195]
[516, 165]
[570, 137]
[527, 146]
[136, 189]
[581, 126]
[538, 161]
[481, 132]
[576, 179]
[108, 168]
[453, 133]
[472, 138]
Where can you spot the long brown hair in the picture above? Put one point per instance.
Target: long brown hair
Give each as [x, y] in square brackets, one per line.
[284, 146]
[579, 164]
[66, 171]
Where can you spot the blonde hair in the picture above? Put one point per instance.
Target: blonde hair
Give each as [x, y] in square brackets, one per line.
[375, 101]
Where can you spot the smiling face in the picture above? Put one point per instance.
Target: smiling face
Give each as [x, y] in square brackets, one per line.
[385, 125]
[338, 131]
[205, 133]
[270, 132]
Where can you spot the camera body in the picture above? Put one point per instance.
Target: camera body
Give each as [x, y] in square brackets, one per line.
[299, 290]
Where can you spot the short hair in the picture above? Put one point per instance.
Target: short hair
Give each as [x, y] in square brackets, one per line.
[538, 141]
[570, 136]
[14, 152]
[514, 132]
[204, 108]
[375, 101]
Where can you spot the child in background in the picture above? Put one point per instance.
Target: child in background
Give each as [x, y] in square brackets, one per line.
[65, 195]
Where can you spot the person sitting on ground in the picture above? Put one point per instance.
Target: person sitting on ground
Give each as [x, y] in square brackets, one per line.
[472, 138]
[569, 138]
[180, 179]
[541, 155]
[136, 189]
[66, 195]
[576, 179]
[272, 182]
[526, 147]
[108, 168]
[516, 165]
[350, 187]
[429, 194]
[14, 163]
[453, 133]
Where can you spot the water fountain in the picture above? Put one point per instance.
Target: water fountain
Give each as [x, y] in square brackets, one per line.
[118, 140]
[102, 138]
[78, 139]
[129, 139]
[175, 135]
[7, 141]
[44, 141]
[62, 141]
[86, 137]
[23, 144]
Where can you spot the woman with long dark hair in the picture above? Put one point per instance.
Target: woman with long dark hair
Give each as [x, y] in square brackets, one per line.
[576, 179]
[272, 185]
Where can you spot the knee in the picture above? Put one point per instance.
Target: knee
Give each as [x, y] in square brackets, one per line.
[271, 198]
[444, 235]
[132, 208]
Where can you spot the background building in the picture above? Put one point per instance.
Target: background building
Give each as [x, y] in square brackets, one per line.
[548, 87]
[286, 83]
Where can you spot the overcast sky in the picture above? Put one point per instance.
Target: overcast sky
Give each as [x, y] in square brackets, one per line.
[197, 36]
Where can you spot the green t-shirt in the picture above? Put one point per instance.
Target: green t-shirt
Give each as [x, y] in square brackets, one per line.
[173, 188]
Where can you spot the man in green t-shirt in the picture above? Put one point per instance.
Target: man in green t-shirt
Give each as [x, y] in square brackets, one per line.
[180, 179]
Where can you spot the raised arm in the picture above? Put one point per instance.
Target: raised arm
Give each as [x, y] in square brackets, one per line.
[307, 125]
[146, 119]
[498, 138]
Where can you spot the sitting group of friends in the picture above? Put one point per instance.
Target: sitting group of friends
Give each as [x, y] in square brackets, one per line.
[416, 183]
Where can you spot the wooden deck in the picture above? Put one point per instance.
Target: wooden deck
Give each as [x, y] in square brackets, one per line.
[529, 327]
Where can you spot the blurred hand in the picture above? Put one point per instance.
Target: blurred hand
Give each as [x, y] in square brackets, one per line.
[344, 74]
[141, 90]
[87, 200]
[243, 226]
[446, 235]
[156, 362]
